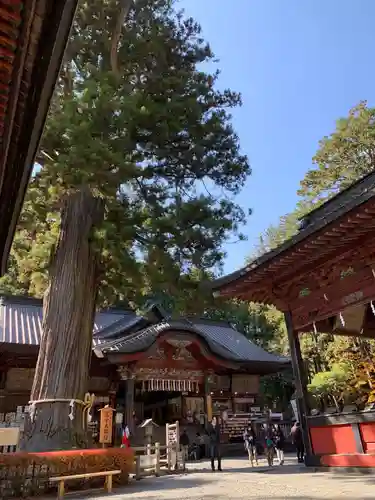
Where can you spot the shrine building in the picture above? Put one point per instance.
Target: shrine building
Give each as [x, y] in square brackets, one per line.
[148, 366]
[323, 280]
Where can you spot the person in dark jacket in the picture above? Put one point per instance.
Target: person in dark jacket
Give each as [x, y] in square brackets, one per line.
[214, 435]
[250, 442]
[201, 445]
[184, 442]
[269, 442]
[297, 440]
[279, 444]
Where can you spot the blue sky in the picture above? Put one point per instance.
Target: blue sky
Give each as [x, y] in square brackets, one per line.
[299, 65]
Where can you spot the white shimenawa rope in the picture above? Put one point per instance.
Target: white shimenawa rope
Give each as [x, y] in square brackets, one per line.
[87, 404]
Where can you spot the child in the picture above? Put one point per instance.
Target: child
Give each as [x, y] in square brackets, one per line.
[125, 441]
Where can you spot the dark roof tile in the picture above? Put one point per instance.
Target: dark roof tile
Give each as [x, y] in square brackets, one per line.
[223, 340]
[21, 320]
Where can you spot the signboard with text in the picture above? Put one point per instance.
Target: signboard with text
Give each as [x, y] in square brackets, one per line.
[106, 425]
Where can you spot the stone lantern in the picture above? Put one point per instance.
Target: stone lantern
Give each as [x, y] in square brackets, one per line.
[148, 426]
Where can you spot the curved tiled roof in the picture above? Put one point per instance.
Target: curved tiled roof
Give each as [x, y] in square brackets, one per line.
[221, 338]
[122, 331]
[33, 36]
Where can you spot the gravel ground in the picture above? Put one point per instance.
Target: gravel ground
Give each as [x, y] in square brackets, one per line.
[239, 481]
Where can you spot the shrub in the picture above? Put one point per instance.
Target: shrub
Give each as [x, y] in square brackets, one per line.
[27, 474]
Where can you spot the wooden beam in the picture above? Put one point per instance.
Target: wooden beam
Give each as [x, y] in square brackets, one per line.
[287, 267]
[332, 300]
[129, 403]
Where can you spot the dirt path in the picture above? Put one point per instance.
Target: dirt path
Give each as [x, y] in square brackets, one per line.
[239, 481]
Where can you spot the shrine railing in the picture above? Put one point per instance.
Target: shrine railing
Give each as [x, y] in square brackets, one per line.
[151, 458]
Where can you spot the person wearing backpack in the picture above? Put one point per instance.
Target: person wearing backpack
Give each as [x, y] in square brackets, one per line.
[279, 444]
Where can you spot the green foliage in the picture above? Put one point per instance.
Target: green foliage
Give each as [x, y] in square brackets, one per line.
[262, 325]
[278, 388]
[150, 134]
[331, 384]
[265, 326]
[274, 236]
[344, 157]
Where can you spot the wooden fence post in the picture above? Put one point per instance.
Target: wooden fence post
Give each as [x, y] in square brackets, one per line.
[167, 449]
[137, 467]
[183, 459]
[157, 458]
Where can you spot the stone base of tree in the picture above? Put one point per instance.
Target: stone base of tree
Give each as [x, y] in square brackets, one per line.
[54, 427]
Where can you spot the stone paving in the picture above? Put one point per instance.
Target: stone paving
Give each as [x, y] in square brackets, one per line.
[239, 481]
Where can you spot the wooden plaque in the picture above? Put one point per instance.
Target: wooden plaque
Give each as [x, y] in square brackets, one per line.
[106, 425]
[209, 407]
[242, 384]
[350, 320]
[20, 379]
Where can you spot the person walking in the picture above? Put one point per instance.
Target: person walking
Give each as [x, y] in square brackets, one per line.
[184, 442]
[201, 445]
[269, 444]
[279, 444]
[214, 435]
[297, 440]
[125, 437]
[249, 437]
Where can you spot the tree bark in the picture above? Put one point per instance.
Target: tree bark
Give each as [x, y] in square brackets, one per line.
[68, 315]
[121, 16]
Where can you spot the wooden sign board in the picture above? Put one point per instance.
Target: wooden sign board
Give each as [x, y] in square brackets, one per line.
[350, 320]
[242, 384]
[9, 436]
[106, 425]
[20, 379]
[221, 383]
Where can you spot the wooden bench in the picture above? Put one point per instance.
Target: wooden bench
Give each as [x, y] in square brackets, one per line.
[62, 479]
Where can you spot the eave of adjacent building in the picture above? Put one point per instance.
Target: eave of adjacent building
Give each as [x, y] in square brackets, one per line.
[330, 230]
[40, 33]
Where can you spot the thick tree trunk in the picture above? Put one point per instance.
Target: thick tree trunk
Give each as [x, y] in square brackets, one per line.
[124, 7]
[68, 317]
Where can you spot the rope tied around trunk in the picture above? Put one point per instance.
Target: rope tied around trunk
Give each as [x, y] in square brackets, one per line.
[87, 404]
